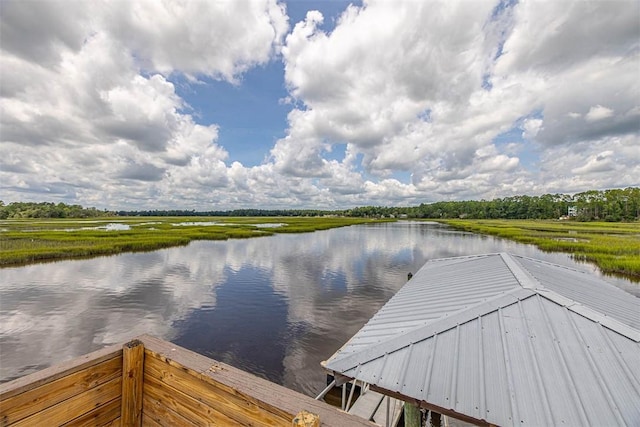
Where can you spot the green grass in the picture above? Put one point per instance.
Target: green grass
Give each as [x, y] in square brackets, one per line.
[613, 247]
[33, 240]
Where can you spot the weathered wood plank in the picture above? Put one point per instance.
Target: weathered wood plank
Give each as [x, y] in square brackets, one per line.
[76, 406]
[272, 397]
[132, 377]
[254, 401]
[37, 399]
[31, 381]
[114, 423]
[99, 416]
[395, 411]
[242, 409]
[147, 421]
[162, 415]
[192, 409]
[234, 395]
[367, 404]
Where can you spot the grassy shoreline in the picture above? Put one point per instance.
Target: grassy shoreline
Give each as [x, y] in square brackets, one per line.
[40, 240]
[613, 247]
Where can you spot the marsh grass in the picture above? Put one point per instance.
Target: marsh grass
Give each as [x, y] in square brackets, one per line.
[32, 240]
[613, 247]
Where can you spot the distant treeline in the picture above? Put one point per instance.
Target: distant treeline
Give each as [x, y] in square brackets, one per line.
[607, 205]
[236, 212]
[48, 210]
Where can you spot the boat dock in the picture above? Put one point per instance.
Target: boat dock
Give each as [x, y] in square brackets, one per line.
[499, 339]
[376, 407]
[370, 405]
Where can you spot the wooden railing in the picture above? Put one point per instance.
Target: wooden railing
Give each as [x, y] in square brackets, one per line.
[151, 382]
[87, 388]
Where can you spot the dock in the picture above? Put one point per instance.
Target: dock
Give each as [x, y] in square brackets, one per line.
[378, 408]
[499, 339]
[151, 382]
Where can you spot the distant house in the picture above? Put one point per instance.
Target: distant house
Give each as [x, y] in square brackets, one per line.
[572, 211]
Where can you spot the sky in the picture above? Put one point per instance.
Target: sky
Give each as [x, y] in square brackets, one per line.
[216, 105]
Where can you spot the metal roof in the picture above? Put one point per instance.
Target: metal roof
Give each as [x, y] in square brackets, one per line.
[506, 340]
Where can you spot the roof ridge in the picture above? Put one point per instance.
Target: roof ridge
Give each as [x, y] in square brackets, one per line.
[524, 277]
[409, 284]
[528, 280]
[428, 330]
[587, 312]
[463, 258]
[541, 261]
[577, 340]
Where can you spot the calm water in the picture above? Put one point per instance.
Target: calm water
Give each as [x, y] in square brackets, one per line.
[275, 306]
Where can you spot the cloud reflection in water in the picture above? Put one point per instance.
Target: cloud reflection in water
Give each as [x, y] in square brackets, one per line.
[275, 306]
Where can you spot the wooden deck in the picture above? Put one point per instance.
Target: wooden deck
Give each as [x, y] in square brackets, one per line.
[150, 382]
[372, 406]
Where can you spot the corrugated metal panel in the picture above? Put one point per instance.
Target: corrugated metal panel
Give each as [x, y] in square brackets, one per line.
[439, 289]
[585, 289]
[519, 356]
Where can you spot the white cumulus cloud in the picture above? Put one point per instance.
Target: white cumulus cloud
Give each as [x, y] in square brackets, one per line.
[598, 113]
[391, 103]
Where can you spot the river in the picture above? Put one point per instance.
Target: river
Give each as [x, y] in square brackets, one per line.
[274, 306]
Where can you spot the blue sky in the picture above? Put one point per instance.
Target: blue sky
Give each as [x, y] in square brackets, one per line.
[315, 104]
[251, 114]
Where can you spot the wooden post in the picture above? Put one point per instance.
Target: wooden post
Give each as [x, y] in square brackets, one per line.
[132, 378]
[412, 415]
